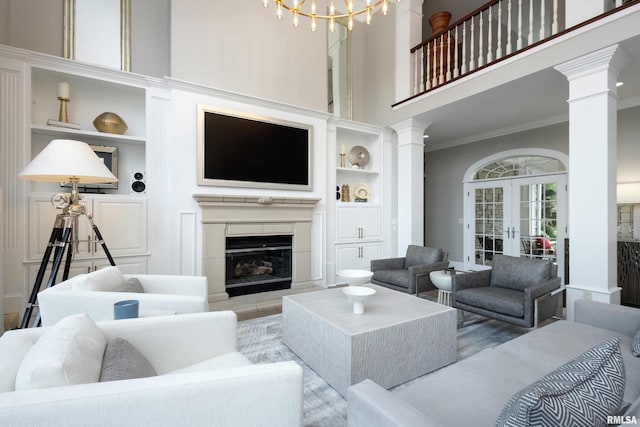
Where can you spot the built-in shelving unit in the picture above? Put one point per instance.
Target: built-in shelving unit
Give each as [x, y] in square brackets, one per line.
[358, 224]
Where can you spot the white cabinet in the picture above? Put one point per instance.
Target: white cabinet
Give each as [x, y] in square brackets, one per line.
[122, 222]
[357, 256]
[358, 222]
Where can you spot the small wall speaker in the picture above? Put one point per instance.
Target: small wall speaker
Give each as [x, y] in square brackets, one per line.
[138, 183]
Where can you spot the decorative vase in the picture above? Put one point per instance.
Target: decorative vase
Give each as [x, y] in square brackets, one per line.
[110, 123]
[442, 47]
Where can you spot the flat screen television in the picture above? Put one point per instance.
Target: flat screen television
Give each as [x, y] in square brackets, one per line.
[244, 150]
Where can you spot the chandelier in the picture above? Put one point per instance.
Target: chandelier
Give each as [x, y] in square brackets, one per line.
[298, 8]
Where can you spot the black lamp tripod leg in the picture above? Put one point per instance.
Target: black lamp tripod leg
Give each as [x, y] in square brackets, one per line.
[56, 232]
[101, 240]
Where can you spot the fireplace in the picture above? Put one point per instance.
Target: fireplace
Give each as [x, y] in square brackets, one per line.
[257, 264]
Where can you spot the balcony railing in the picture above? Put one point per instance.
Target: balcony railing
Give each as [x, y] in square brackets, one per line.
[493, 32]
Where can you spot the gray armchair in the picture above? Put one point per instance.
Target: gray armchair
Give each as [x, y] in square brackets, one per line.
[521, 291]
[410, 273]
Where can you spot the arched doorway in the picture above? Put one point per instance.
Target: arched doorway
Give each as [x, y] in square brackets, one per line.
[515, 204]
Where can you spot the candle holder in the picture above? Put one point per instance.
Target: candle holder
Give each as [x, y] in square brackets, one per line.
[62, 117]
[342, 163]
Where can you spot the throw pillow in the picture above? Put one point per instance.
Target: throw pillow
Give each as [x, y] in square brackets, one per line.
[132, 284]
[581, 392]
[13, 347]
[122, 361]
[70, 353]
[107, 279]
[635, 344]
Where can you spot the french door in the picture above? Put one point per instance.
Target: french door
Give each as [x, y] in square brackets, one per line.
[523, 217]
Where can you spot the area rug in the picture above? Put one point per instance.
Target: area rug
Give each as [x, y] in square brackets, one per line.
[260, 340]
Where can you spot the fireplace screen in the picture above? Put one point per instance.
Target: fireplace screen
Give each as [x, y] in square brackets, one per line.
[257, 264]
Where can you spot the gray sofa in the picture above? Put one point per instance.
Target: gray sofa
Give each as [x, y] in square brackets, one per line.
[475, 390]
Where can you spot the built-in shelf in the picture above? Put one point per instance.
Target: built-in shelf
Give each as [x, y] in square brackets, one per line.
[354, 170]
[71, 133]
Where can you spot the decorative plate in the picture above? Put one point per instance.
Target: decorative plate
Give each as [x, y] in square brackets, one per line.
[361, 191]
[359, 156]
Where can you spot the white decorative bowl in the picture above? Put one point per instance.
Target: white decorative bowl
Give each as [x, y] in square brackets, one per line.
[355, 277]
[358, 295]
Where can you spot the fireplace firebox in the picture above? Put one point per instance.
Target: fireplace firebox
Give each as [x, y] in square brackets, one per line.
[258, 264]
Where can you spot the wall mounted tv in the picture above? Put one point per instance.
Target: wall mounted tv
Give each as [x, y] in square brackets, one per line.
[245, 150]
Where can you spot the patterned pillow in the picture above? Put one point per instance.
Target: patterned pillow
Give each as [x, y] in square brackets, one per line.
[635, 344]
[581, 392]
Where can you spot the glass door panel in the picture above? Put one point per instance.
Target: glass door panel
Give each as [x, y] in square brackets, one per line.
[489, 224]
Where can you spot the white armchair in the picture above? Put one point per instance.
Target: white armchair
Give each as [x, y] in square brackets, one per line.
[202, 380]
[163, 294]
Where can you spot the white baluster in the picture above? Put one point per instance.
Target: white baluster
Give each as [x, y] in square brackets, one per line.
[530, 36]
[463, 68]
[480, 42]
[543, 21]
[422, 69]
[499, 45]
[618, 3]
[509, 33]
[428, 69]
[554, 25]
[434, 83]
[441, 64]
[449, 58]
[414, 57]
[519, 43]
[489, 37]
[472, 54]
[455, 55]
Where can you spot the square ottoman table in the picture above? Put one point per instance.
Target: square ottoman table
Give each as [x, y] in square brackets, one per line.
[398, 338]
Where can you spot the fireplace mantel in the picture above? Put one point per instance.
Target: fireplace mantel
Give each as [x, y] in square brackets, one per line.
[233, 215]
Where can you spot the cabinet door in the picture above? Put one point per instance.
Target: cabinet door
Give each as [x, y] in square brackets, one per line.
[347, 223]
[123, 225]
[347, 257]
[368, 252]
[370, 222]
[42, 216]
[133, 265]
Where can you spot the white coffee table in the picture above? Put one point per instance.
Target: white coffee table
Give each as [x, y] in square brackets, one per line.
[398, 338]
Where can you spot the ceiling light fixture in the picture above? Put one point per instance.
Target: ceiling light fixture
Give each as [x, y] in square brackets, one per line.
[363, 7]
[618, 84]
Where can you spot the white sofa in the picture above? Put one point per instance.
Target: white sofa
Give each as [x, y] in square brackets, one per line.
[163, 294]
[217, 386]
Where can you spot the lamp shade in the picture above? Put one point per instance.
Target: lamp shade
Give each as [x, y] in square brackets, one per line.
[64, 159]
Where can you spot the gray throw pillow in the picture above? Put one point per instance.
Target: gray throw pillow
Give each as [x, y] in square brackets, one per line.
[635, 344]
[122, 361]
[132, 284]
[583, 392]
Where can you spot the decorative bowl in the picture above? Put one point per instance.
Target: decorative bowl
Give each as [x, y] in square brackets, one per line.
[108, 122]
[355, 277]
[358, 295]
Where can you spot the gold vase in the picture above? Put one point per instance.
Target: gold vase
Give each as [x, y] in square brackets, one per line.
[110, 123]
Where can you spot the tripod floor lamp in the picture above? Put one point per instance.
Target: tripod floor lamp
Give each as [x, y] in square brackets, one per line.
[64, 160]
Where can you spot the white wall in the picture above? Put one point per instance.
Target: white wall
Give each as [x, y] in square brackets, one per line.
[36, 25]
[242, 46]
[182, 166]
[150, 37]
[4, 21]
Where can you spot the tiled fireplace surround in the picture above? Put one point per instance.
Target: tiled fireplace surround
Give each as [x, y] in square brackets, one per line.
[232, 216]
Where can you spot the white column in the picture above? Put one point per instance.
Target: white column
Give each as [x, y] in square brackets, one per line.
[408, 34]
[410, 191]
[592, 175]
